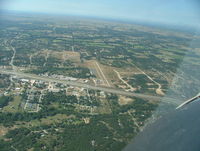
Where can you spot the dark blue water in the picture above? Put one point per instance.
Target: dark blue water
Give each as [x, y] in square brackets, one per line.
[177, 131]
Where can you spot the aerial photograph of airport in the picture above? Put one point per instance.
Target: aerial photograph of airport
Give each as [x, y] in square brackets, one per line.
[91, 75]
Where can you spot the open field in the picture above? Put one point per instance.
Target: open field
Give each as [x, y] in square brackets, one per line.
[13, 106]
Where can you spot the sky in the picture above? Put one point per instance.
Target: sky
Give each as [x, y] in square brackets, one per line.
[177, 12]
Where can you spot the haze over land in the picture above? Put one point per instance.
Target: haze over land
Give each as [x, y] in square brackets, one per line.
[83, 83]
[66, 76]
[175, 12]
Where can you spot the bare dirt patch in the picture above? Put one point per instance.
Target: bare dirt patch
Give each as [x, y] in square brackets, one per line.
[125, 100]
[3, 131]
[70, 55]
[61, 55]
[160, 92]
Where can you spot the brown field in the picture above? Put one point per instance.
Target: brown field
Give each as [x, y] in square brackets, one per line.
[61, 55]
[72, 56]
[3, 130]
[123, 100]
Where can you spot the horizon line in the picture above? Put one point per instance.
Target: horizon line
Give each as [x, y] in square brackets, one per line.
[169, 26]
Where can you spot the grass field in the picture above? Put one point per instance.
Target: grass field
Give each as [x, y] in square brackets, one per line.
[13, 106]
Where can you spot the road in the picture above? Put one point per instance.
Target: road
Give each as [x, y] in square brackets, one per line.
[119, 76]
[11, 63]
[158, 90]
[83, 85]
[13, 57]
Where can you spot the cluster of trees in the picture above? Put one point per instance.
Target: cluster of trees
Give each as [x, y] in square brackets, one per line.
[4, 100]
[5, 146]
[4, 81]
[154, 62]
[21, 60]
[143, 109]
[22, 139]
[93, 136]
[62, 98]
[59, 97]
[53, 62]
[89, 101]
[78, 137]
[120, 64]
[141, 81]
[9, 119]
[5, 56]
[38, 60]
[47, 109]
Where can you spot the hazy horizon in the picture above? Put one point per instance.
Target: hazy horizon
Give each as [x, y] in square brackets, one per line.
[179, 12]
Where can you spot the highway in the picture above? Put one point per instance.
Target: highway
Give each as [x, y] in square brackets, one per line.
[87, 86]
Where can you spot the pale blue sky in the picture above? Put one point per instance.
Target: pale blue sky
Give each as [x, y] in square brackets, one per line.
[163, 11]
